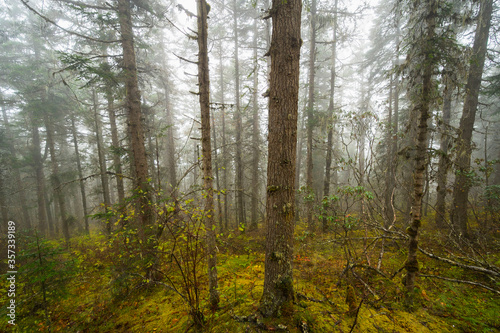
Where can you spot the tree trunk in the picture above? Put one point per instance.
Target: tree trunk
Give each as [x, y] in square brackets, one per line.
[204, 84]
[463, 181]
[300, 143]
[255, 134]
[117, 164]
[240, 209]
[330, 124]
[134, 116]
[278, 294]
[3, 204]
[310, 119]
[56, 181]
[171, 162]
[80, 174]
[17, 174]
[102, 161]
[224, 147]
[423, 50]
[216, 164]
[390, 174]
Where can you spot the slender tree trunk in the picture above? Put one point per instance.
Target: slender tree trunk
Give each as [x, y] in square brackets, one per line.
[224, 147]
[134, 116]
[3, 203]
[102, 161]
[53, 226]
[422, 99]
[216, 164]
[117, 164]
[390, 175]
[255, 134]
[463, 181]
[278, 294]
[171, 162]
[300, 143]
[204, 84]
[310, 119]
[56, 181]
[17, 174]
[240, 209]
[80, 174]
[330, 124]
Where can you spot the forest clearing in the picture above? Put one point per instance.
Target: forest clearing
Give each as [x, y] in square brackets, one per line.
[249, 166]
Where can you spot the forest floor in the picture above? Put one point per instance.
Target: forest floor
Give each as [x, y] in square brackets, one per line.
[99, 298]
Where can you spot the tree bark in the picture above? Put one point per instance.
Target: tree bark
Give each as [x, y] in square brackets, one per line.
[390, 175]
[240, 208]
[17, 174]
[278, 293]
[255, 134]
[102, 161]
[444, 162]
[204, 84]
[421, 90]
[463, 181]
[310, 119]
[80, 174]
[56, 181]
[171, 162]
[224, 147]
[134, 116]
[330, 124]
[117, 164]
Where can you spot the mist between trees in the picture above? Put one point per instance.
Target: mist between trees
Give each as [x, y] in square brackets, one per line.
[348, 149]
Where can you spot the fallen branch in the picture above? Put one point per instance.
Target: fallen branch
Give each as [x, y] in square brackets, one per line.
[462, 281]
[457, 264]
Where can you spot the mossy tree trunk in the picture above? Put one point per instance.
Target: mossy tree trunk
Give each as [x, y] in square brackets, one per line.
[422, 52]
[278, 291]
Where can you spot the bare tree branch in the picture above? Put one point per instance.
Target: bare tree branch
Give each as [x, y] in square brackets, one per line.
[25, 3]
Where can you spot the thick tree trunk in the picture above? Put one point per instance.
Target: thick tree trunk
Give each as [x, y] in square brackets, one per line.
[463, 179]
[240, 208]
[330, 124]
[134, 116]
[310, 119]
[255, 134]
[80, 174]
[204, 84]
[278, 293]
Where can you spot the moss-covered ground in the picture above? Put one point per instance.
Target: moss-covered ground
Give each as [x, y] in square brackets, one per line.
[96, 300]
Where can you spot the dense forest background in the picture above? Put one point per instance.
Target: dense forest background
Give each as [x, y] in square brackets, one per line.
[243, 166]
